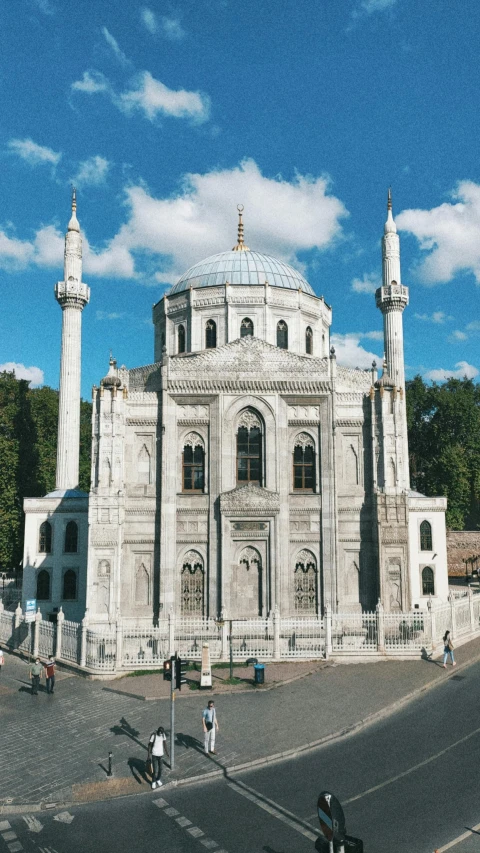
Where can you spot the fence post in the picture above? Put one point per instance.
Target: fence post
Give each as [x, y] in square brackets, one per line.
[58, 638]
[171, 633]
[431, 624]
[276, 633]
[1, 606]
[380, 628]
[36, 632]
[472, 612]
[453, 615]
[119, 649]
[83, 641]
[223, 636]
[328, 632]
[18, 615]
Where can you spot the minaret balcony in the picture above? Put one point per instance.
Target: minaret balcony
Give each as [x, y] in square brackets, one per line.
[72, 292]
[392, 297]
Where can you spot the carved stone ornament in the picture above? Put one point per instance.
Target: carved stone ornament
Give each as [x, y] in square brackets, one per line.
[249, 499]
[249, 420]
[305, 561]
[304, 440]
[192, 561]
[194, 440]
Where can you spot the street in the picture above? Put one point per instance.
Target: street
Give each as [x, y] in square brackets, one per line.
[408, 783]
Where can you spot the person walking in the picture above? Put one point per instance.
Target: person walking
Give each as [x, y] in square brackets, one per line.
[210, 726]
[50, 674]
[35, 672]
[2, 659]
[157, 747]
[447, 649]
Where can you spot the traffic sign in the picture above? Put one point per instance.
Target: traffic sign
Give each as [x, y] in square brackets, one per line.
[30, 609]
[331, 817]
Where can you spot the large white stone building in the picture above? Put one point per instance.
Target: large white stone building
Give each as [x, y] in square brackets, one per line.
[243, 471]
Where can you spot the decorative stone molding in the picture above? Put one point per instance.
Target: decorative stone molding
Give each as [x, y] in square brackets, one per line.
[249, 499]
[250, 386]
[352, 422]
[304, 440]
[193, 422]
[193, 440]
[249, 420]
[142, 421]
[303, 413]
[194, 411]
[141, 540]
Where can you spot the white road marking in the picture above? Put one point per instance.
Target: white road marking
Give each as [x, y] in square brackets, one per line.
[160, 803]
[274, 809]
[459, 839]
[64, 817]
[183, 821]
[412, 769]
[209, 843]
[171, 811]
[9, 836]
[15, 847]
[4, 825]
[33, 824]
[195, 831]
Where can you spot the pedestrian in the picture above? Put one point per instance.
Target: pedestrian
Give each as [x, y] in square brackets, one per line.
[157, 747]
[2, 659]
[50, 674]
[35, 672]
[447, 649]
[210, 726]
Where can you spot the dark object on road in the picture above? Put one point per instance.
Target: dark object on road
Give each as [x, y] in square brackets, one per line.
[350, 844]
[259, 673]
[251, 661]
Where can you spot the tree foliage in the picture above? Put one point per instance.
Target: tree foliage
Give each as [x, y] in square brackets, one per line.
[28, 456]
[444, 446]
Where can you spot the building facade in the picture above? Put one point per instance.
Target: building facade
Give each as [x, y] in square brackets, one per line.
[243, 471]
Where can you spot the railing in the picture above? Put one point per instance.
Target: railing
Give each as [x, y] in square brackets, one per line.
[135, 644]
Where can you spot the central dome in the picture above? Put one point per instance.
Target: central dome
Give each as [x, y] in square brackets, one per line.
[244, 267]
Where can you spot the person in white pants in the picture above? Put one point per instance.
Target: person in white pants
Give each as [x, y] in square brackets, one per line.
[210, 726]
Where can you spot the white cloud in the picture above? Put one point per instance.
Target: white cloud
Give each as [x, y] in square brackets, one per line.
[282, 218]
[464, 370]
[115, 47]
[153, 98]
[449, 235]
[91, 83]
[92, 172]
[14, 254]
[457, 335]
[474, 326]
[370, 6]
[367, 284]
[373, 336]
[33, 375]
[436, 317]
[33, 153]
[109, 315]
[172, 29]
[45, 6]
[349, 352]
[149, 20]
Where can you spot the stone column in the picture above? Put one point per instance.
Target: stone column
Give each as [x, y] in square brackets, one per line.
[328, 630]
[36, 632]
[380, 628]
[83, 641]
[276, 633]
[58, 639]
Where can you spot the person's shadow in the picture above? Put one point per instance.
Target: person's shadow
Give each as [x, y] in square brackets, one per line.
[138, 770]
[188, 742]
[126, 729]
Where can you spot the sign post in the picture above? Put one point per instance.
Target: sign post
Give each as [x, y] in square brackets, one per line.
[206, 671]
[331, 818]
[30, 611]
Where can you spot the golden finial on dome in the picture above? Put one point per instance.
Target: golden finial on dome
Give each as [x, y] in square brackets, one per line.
[240, 247]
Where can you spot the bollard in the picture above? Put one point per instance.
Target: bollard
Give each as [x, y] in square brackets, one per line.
[109, 771]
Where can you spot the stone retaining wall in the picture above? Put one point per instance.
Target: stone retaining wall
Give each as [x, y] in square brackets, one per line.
[460, 545]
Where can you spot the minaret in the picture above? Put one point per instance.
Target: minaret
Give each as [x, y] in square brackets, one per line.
[72, 295]
[392, 298]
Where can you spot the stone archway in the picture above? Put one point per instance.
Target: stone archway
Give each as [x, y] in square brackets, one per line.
[246, 585]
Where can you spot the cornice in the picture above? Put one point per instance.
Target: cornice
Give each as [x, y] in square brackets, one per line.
[191, 539]
[193, 421]
[349, 422]
[252, 386]
[142, 421]
[141, 540]
[311, 423]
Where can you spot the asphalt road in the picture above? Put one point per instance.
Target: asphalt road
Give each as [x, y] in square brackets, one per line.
[410, 783]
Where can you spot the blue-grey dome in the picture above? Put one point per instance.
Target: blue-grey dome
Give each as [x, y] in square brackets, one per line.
[243, 267]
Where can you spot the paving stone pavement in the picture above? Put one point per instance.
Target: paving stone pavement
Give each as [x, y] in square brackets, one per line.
[55, 748]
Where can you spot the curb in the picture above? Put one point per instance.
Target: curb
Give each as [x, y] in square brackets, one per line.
[347, 731]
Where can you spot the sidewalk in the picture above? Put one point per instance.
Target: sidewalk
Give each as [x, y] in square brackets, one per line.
[54, 749]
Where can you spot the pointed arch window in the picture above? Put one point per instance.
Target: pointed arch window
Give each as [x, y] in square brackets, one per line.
[210, 334]
[144, 467]
[193, 464]
[181, 338]
[71, 538]
[309, 341]
[43, 585]
[304, 463]
[305, 583]
[428, 581]
[142, 585]
[282, 334]
[249, 449]
[246, 327]
[45, 538]
[69, 585]
[426, 543]
[193, 584]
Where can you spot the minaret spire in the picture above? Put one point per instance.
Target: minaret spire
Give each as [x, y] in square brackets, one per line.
[240, 247]
[72, 295]
[392, 298]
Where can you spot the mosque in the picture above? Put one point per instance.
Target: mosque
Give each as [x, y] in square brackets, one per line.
[243, 471]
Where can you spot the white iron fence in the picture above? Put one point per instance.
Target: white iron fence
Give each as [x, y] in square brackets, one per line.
[137, 644]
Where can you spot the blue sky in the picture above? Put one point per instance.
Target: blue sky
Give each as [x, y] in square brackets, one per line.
[167, 115]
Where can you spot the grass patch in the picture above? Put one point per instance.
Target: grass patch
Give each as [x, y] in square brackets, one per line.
[144, 672]
[226, 665]
[194, 685]
[234, 681]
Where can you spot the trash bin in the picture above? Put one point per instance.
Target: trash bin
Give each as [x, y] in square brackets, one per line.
[259, 673]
